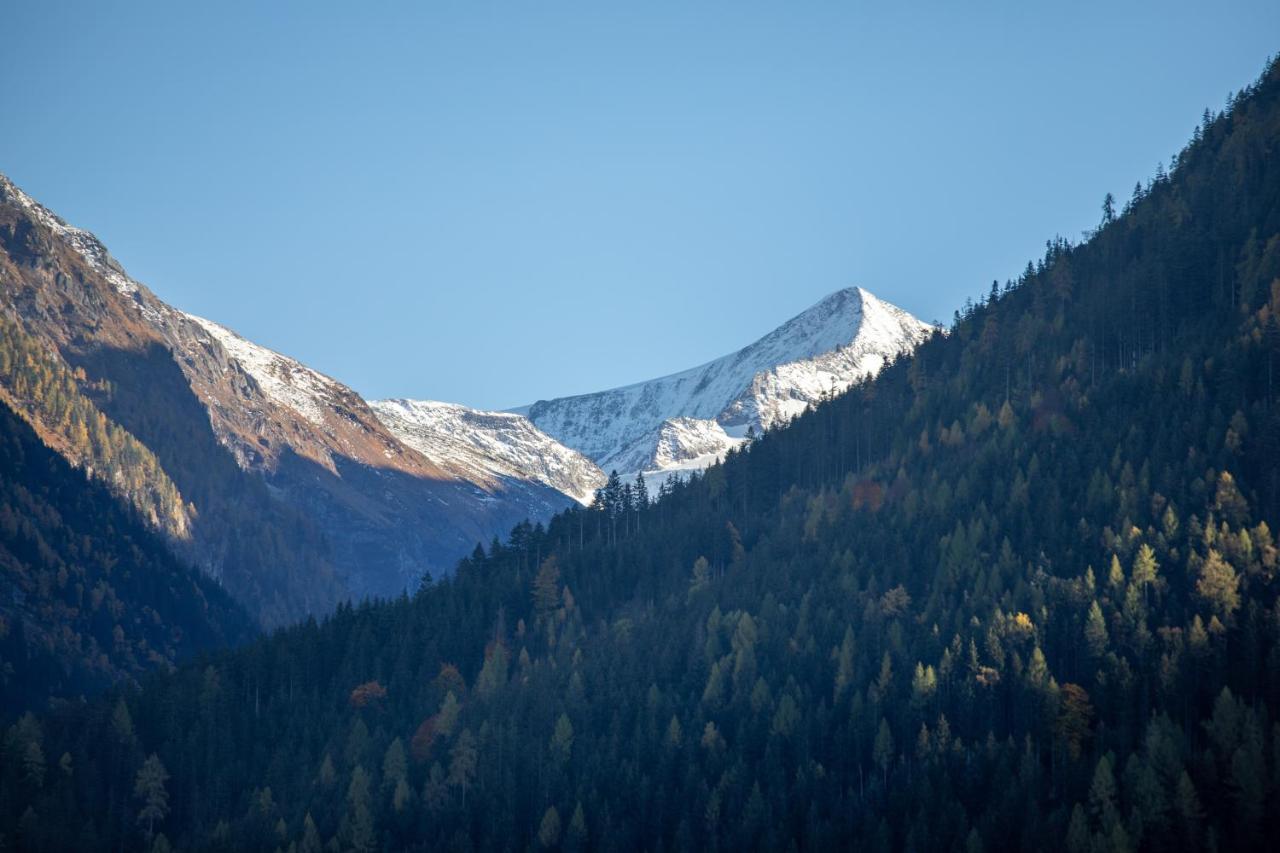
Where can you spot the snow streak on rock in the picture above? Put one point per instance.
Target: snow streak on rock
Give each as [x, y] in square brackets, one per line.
[89, 247]
[478, 445]
[286, 381]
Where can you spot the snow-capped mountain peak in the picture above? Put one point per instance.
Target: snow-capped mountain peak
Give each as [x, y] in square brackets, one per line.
[845, 337]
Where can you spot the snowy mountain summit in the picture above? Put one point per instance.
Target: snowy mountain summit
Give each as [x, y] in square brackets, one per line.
[688, 420]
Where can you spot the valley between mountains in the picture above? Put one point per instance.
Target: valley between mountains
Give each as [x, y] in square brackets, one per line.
[294, 493]
[1015, 586]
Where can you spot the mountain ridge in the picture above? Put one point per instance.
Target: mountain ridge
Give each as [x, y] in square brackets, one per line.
[387, 490]
[341, 507]
[680, 422]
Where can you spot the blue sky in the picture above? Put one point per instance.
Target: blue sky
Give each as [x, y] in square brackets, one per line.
[492, 203]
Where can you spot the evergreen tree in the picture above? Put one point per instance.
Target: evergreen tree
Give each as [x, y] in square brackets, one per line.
[149, 789]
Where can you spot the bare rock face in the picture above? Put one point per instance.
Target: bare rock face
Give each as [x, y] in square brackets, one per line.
[301, 496]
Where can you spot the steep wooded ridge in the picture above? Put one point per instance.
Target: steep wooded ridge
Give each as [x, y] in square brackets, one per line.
[1017, 592]
[89, 595]
[282, 483]
[36, 383]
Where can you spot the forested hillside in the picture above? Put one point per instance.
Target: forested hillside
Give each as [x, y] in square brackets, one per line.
[36, 382]
[1018, 592]
[89, 595]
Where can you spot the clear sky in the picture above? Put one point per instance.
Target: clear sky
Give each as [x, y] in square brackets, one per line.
[493, 203]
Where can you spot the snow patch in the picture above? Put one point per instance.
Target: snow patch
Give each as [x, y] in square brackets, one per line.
[677, 443]
[286, 381]
[85, 243]
[485, 446]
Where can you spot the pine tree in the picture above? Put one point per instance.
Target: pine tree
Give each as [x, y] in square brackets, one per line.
[882, 751]
[844, 663]
[1074, 715]
[576, 838]
[462, 762]
[1079, 838]
[562, 740]
[1102, 794]
[1145, 568]
[395, 764]
[923, 684]
[1219, 585]
[701, 577]
[546, 588]
[358, 822]
[149, 787]
[310, 842]
[33, 763]
[1190, 812]
[549, 828]
[122, 723]
[640, 494]
[1095, 632]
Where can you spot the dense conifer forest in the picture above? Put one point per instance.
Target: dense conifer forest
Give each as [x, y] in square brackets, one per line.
[36, 382]
[92, 594]
[1018, 592]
